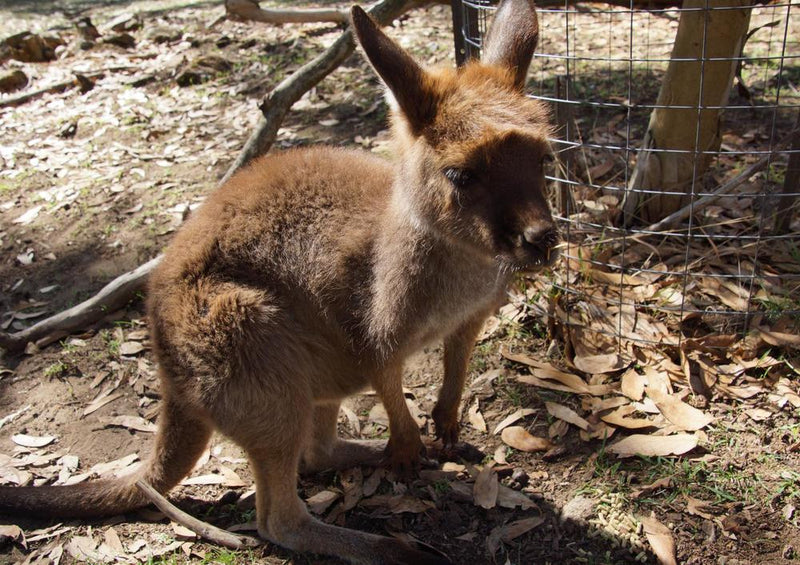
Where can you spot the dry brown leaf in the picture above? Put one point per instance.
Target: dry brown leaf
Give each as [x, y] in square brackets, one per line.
[601, 363]
[130, 422]
[379, 416]
[500, 455]
[632, 384]
[566, 414]
[510, 419]
[408, 503]
[207, 479]
[182, 532]
[619, 418]
[476, 418]
[485, 490]
[321, 501]
[118, 466]
[111, 539]
[683, 416]
[519, 438]
[661, 540]
[14, 533]
[510, 498]
[353, 486]
[779, 339]
[758, 414]
[654, 445]
[352, 419]
[519, 527]
[130, 348]
[232, 479]
[100, 401]
[372, 482]
[26, 440]
[699, 508]
[662, 483]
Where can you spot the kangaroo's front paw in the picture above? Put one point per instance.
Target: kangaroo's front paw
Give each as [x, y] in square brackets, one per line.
[446, 422]
[405, 457]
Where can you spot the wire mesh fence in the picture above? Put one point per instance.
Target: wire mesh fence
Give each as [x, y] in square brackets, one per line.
[711, 256]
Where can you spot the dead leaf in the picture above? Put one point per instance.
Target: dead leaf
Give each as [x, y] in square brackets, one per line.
[519, 438]
[28, 216]
[26, 440]
[353, 486]
[619, 418]
[661, 540]
[662, 483]
[130, 348]
[14, 533]
[101, 400]
[632, 384]
[182, 532]
[486, 488]
[654, 445]
[517, 528]
[602, 363]
[683, 416]
[117, 467]
[510, 419]
[321, 501]
[510, 498]
[566, 414]
[758, 414]
[130, 422]
[476, 418]
[207, 479]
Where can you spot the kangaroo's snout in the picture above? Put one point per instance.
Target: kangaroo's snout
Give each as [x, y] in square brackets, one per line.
[539, 243]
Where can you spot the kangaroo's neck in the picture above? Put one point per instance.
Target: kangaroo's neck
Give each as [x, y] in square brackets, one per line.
[425, 285]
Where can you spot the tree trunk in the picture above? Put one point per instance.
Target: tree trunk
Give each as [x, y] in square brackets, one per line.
[688, 83]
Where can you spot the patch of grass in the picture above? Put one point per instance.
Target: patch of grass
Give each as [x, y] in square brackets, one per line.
[442, 487]
[57, 369]
[112, 343]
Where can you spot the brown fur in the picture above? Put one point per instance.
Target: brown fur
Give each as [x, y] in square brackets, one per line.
[315, 273]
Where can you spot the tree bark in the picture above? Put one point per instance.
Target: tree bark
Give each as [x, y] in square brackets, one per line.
[672, 158]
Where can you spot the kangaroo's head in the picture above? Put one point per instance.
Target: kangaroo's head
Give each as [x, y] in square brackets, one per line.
[472, 146]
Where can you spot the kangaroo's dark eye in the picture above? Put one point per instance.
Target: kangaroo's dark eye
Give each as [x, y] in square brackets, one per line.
[461, 178]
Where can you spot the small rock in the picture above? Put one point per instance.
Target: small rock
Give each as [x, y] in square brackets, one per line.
[223, 41]
[519, 479]
[13, 81]
[578, 510]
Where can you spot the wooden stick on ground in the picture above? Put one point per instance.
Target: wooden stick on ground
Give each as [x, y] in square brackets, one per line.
[202, 529]
[250, 10]
[275, 106]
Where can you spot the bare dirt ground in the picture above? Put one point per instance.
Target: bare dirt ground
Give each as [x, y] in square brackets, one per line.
[94, 183]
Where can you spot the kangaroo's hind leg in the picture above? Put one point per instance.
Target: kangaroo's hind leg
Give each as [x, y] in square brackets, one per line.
[274, 437]
[327, 451]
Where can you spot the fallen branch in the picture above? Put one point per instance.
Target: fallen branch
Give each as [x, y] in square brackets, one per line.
[274, 107]
[111, 297]
[251, 11]
[202, 529]
[694, 207]
[277, 103]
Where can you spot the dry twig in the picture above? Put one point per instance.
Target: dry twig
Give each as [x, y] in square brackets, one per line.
[202, 529]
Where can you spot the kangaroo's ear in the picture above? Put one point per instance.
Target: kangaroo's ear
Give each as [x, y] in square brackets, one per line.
[407, 81]
[512, 38]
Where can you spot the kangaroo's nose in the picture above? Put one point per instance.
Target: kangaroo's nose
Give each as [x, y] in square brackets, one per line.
[543, 236]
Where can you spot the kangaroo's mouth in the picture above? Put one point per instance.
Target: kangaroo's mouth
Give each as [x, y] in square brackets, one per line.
[534, 258]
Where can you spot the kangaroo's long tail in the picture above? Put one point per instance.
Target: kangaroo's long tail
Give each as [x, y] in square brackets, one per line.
[180, 441]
